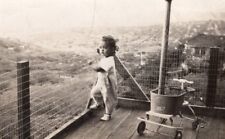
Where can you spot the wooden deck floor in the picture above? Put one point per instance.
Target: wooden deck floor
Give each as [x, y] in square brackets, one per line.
[124, 123]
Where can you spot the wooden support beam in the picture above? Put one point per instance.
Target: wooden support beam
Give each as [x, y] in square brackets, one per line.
[23, 95]
[206, 111]
[212, 77]
[133, 104]
[123, 71]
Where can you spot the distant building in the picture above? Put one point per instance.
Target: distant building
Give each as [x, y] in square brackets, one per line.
[197, 50]
[200, 44]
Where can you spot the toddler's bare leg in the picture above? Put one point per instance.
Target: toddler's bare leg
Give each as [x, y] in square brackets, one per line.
[94, 92]
[107, 101]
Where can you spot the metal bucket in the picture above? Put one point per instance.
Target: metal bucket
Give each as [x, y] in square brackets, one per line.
[166, 104]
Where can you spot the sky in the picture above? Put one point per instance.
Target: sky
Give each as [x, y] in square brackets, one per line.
[51, 15]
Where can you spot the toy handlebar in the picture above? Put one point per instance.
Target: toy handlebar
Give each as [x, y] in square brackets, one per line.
[183, 81]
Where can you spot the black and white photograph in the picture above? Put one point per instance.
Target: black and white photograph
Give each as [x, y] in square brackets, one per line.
[112, 69]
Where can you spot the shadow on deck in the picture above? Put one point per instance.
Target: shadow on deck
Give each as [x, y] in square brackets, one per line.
[123, 125]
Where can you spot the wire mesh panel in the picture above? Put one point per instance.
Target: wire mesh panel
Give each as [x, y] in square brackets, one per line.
[128, 86]
[54, 107]
[220, 92]
[181, 62]
[141, 67]
[58, 96]
[8, 103]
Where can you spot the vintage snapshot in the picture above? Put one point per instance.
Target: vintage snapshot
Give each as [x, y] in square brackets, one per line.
[112, 69]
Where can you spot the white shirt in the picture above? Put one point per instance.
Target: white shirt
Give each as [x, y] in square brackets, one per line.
[108, 78]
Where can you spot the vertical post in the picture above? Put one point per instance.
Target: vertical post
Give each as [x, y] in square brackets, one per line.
[23, 96]
[162, 71]
[142, 62]
[212, 76]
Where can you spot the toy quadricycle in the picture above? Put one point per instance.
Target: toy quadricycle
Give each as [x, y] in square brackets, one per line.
[166, 107]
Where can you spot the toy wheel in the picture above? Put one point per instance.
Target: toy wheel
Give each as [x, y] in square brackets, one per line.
[178, 135]
[141, 128]
[195, 124]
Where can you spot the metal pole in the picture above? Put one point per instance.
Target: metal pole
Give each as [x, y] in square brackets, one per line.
[23, 89]
[164, 47]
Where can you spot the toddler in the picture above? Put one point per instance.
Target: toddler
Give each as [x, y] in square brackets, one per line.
[106, 84]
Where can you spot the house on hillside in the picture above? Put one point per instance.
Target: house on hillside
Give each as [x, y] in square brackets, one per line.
[200, 44]
[197, 50]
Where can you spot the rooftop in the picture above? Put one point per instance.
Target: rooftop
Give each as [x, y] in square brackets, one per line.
[202, 40]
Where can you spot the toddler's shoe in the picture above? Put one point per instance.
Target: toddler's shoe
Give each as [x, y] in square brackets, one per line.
[106, 117]
[94, 106]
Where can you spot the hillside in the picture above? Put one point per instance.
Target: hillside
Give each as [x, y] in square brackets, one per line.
[46, 66]
[65, 53]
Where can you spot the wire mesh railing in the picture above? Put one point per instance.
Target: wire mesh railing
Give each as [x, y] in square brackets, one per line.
[8, 105]
[55, 101]
[144, 67]
[51, 104]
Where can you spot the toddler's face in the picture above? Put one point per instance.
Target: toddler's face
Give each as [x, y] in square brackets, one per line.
[106, 50]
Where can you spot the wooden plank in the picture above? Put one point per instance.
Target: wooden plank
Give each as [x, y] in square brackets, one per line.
[96, 129]
[211, 131]
[124, 124]
[84, 129]
[78, 120]
[212, 77]
[222, 129]
[188, 133]
[96, 125]
[206, 111]
[215, 129]
[133, 104]
[23, 97]
[128, 127]
[107, 127]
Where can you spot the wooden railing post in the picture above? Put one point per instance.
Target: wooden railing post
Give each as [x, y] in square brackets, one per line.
[23, 96]
[212, 76]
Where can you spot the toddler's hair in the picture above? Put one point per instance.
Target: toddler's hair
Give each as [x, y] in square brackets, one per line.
[110, 41]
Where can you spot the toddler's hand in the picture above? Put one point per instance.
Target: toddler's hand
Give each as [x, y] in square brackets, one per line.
[90, 62]
[98, 69]
[94, 65]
